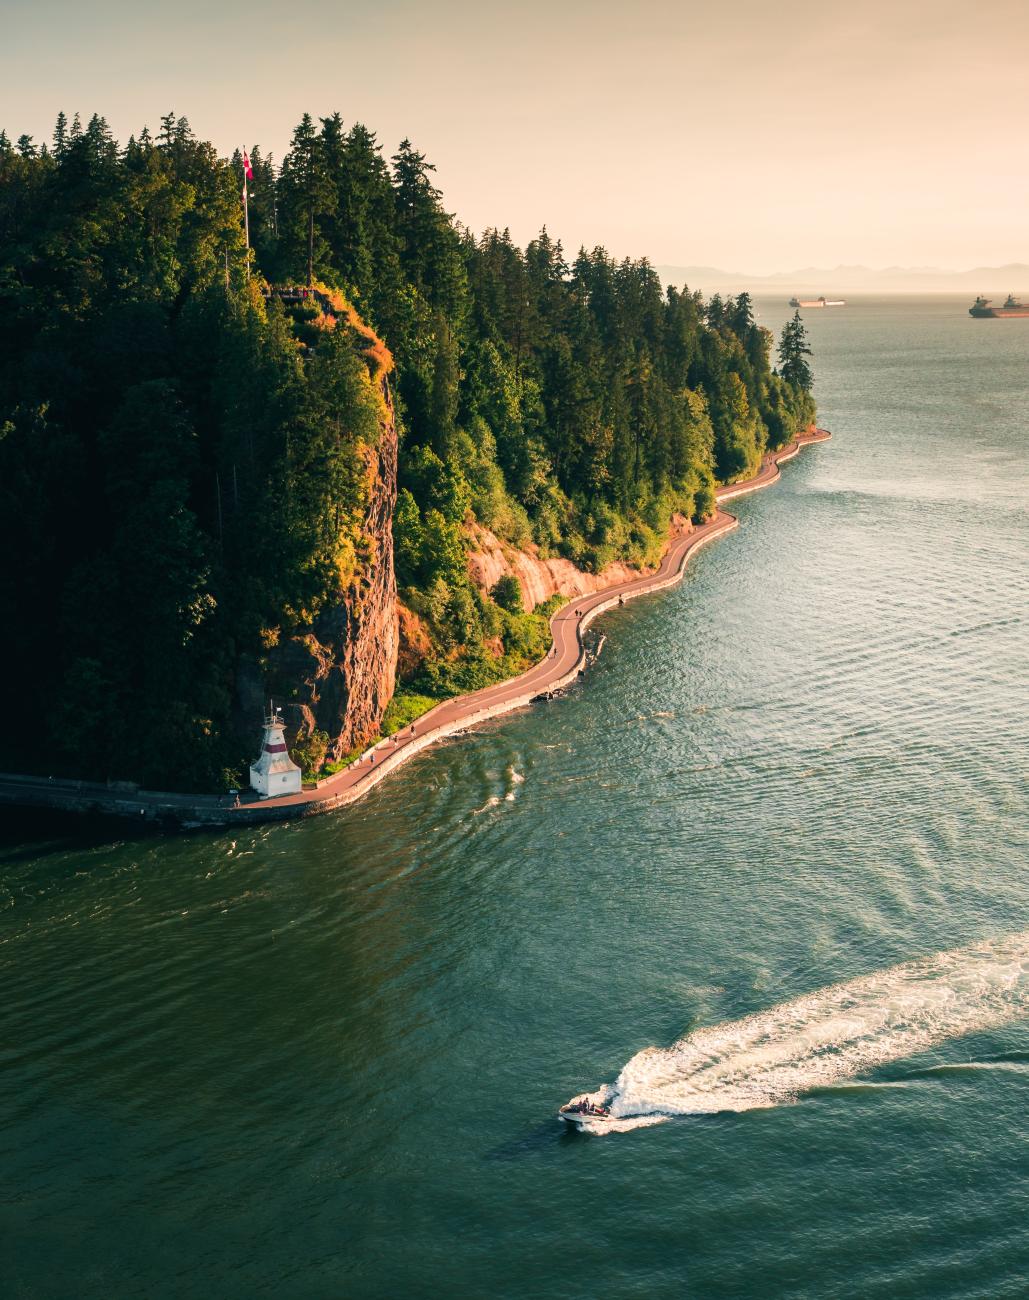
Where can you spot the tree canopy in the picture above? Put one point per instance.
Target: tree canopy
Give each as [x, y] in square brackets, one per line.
[160, 422]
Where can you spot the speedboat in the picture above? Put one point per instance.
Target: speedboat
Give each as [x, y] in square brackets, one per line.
[580, 1111]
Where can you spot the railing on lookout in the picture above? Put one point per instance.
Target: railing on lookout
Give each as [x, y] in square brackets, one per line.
[297, 293]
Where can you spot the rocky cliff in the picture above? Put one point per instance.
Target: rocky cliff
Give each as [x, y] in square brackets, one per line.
[341, 674]
[489, 559]
[337, 675]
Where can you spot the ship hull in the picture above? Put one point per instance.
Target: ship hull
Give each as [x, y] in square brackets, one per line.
[995, 313]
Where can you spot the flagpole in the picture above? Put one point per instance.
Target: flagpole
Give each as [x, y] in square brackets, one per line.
[246, 218]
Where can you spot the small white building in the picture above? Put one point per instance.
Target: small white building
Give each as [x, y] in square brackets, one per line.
[275, 772]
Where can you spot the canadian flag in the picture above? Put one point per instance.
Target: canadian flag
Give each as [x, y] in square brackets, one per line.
[248, 170]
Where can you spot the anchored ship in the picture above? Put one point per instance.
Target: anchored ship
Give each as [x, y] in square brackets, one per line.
[817, 302]
[1012, 307]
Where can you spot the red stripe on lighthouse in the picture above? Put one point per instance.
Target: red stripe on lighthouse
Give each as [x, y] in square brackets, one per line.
[275, 749]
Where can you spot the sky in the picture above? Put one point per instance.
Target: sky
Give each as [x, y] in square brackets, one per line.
[752, 135]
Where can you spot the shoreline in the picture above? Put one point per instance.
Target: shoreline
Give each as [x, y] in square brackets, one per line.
[562, 666]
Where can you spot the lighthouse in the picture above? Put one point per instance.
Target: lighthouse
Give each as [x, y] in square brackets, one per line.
[275, 772]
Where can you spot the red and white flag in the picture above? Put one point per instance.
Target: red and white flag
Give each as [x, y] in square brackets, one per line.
[248, 170]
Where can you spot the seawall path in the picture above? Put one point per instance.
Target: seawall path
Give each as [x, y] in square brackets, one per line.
[559, 669]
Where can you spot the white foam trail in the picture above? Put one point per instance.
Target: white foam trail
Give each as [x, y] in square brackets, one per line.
[514, 780]
[828, 1036]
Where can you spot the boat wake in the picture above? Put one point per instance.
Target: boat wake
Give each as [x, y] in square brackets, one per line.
[826, 1037]
[513, 781]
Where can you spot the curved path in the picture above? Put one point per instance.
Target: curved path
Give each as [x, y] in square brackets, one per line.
[561, 667]
[558, 669]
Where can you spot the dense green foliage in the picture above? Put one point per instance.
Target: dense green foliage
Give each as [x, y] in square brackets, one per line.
[572, 404]
[404, 708]
[181, 481]
[177, 489]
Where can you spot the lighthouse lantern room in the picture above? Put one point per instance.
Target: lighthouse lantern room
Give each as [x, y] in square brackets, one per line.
[275, 772]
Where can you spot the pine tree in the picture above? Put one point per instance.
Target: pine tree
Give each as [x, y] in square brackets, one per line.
[166, 135]
[307, 191]
[793, 350]
[571, 407]
[430, 248]
[740, 316]
[60, 137]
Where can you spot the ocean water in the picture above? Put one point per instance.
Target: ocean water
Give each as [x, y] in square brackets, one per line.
[761, 881]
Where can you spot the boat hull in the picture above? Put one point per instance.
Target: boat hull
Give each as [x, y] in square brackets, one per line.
[576, 1118]
[982, 309]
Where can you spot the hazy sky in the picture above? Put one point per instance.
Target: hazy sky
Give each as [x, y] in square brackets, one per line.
[749, 135]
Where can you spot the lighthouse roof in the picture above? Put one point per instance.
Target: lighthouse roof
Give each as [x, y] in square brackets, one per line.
[274, 756]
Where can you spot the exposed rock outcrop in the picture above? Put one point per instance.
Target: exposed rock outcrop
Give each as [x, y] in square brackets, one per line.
[341, 673]
[490, 559]
[337, 675]
[415, 643]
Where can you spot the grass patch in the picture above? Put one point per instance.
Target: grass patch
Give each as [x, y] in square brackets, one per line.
[330, 769]
[403, 709]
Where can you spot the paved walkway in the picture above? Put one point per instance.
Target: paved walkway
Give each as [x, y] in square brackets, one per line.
[561, 667]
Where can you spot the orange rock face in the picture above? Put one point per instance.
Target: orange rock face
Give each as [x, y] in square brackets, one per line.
[341, 675]
[490, 559]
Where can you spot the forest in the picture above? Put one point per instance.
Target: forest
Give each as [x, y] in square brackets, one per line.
[182, 478]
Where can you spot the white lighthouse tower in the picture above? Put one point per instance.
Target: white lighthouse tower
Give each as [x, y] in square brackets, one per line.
[275, 772]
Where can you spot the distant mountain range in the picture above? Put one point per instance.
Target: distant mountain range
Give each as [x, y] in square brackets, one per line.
[833, 281]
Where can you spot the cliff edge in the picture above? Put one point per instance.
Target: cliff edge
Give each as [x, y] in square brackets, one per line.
[490, 558]
[337, 676]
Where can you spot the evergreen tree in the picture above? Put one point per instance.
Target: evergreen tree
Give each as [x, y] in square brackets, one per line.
[306, 191]
[202, 455]
[60, 137]
[793, 351]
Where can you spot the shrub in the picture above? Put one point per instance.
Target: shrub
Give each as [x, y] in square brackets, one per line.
[403, 709]
[547, 608]
[704, 503]
[330, 769]
[507, 593]
[309, 754]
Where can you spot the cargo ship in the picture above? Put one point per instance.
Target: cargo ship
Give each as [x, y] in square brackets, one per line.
[1012, 307]
[817, 302]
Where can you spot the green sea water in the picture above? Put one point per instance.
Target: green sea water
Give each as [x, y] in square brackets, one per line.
[323, 1059]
